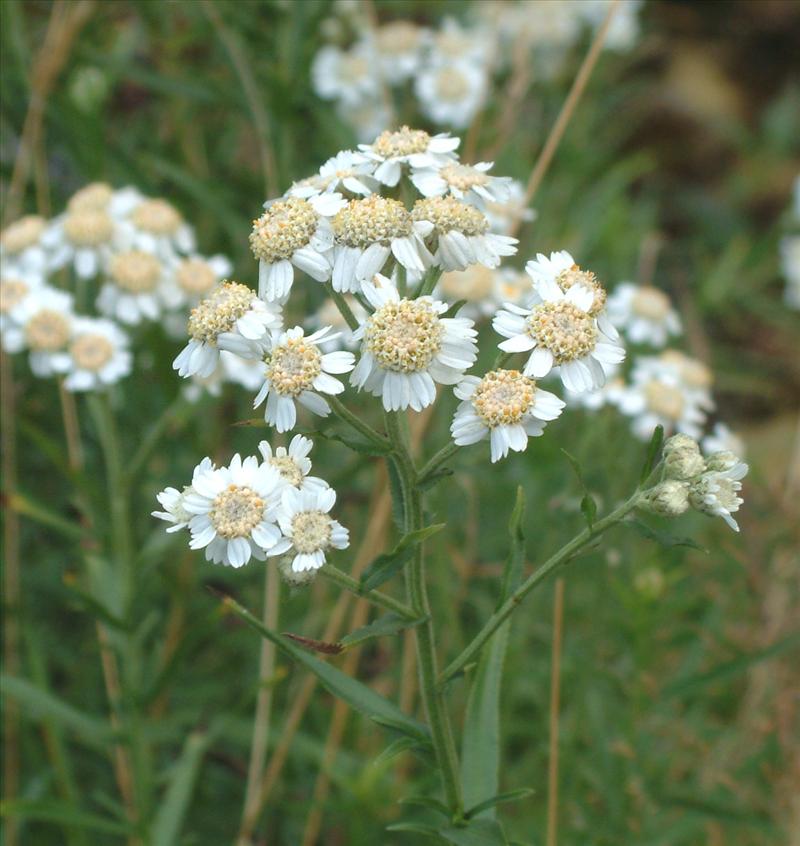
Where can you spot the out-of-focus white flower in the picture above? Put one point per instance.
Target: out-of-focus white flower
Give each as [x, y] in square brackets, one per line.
[246, 372]
[171, 500]
[408, 148]
[293, 463]
[298, 371]
[96, 196]
[560, 331]
[459, 234]
[399, 46]
[366, 232]
[368, 117]
[505, 216]
[722, 439]
[42, 325]
[406, 347]
[349, 76]
[455, 43]
[21, 244]
[451, 94]
[308, 529]
[16, 285]
[623, 33]
[191, 278]
[84, 238]
[135, 287]
[234, 511]
[471, 183]
[328, 314]
[790, 263]
[695, 376]
[716, 492]
[477, 285]
[643, 313]
[611, 393]
[293, 232]
[233, 318]
[159, 228]
[346, 171]
[504, 406]
[98, 355]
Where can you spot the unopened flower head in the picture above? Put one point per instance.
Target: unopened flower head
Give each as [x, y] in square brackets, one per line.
[716, 492]
[134, 288]
[504, 406]
[407, 347]
[297, 370]
[644, 313]
[98, 355]
[232, 318]
[669, 498]
[293, 463]
[309, 531]
[408, 148]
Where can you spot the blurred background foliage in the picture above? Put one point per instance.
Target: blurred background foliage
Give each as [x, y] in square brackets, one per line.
[679, 669]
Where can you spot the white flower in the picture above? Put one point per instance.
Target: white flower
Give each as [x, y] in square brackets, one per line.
[410, 148]
[560, 331]
[16, 285]
[407, 347]
[233, 319]
[722, 439]
[644, 313]
[328, 314]
[21, 244]
[452, 42]
[293, 463]
[135, 287]
[505, 216]
[171, 501]
[368, 117]
[43, 325]
[398, 47]
[297, 370]
[345, 75]
[451, 94]
[293, 232]
[695, 377]
[346, 171]
[234, 511]
[471, 183]
[716, 492]
[367, 232]
[98, 354]
[248, 373]
[460, 234]
[611, 393]
[504, 406]
[193, 277]
[308, 529]
[560, 269]
[158, 227]
[477, 285]
[84, 238]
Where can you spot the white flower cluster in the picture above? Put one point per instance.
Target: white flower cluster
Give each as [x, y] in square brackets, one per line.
[451, 69]
[254, 508]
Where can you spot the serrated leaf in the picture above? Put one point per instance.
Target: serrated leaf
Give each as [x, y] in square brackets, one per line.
[427, 802]
[653, 449]
[388, 624]
[664, 539]
[360, 697]
[501, 798]
[386, 565]
[480, 832]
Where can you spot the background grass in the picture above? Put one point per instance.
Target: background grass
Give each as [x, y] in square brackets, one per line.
[678, 720]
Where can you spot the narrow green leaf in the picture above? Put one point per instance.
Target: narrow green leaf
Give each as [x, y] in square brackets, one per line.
[433, 479]
[23, 504]
[395, 748]
[172, 813]
[427, 802]
[481, 832]
[414, 828]
[455, 308]
[387, 564]
[61, 813]
[664, 539]
[501, 798]
[388, 624]
[251, 422]
[653, 449]
[355, 693]
[358, 444]
[588, 505]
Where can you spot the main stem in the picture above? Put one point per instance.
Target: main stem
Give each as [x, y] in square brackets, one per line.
[435, 707]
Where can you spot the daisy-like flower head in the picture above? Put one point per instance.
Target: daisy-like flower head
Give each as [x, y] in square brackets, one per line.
[293, 232]
[406, 347]
[695, 376]
[134, 290]
[171, 500]
[98, 354]
[158, 227]
[233, 318]
[345, 75]
[366, 232]
[504, 406]
[96, 196]
[460, 234]
[406, 147]
[308, 529]
[16, 285]
[293, 463]
[560, 331]
[716, 492]
[451, 94]
[644, 313]
[472, 183]
[21, 244]
[346, 171]
[297, 370]
[399, 46]
[43, 326]
[562, 269]
[505, 216]
[83, 237]
[234, 511]
[191, 278]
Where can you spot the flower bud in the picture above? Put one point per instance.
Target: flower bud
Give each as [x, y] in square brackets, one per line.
[293, 579]
[721, 461]
[680, 442]
[684, 463]
[668, 499]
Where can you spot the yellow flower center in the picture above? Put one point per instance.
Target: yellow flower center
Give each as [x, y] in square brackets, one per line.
[374, 219]
[93, 197]
[353, 68]
[236, 511]
[293, 367]
[158, 217]
[219, 311]
[404, 142]
[451, 84]
[284, 228]
[47, 331]
[448, 214]
[23, 233]
[287, 467]
[397, 38]
[503, 397]
[664, 400]
[404, 337]
[91, 352]
[311, 531]
[462, 176]
[575, 276]
[651, 303]
[564, 329]
[195, 277]
[135, 271]
[88, 227]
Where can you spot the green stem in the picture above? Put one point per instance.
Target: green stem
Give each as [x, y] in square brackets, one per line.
[553, 563]
[344, 308]
[429, 281]
[435, 706]
[502, 360]
[341, 411]
[375, 596]
[436, 460]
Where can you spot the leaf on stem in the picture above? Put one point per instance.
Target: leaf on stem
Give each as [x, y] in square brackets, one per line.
[427, 802]
[664, 539]
[388, 624]
[414, 828]
[588, 505]
[455, 308]
[480, 832]
[386, 565]
[316, 645]
[653, 449]
[431, 479]
[509, 796]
